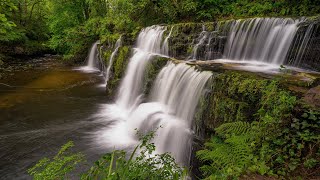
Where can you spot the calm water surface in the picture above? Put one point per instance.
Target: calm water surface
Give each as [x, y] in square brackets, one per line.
[41, 109]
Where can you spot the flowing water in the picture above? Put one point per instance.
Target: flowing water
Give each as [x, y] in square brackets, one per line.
[43, 108]
[113, 54]
[257, 42]
[261, 39]
[171, 105]
[92, 64]
[302, 46]
[201, 40]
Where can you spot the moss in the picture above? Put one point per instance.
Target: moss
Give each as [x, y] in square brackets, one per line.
[152, 70]
[118, 68]
[109, 39]
[244, 96]
[106, 55]
[210, 26]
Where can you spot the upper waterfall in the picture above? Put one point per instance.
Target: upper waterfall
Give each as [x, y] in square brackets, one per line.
[148, 45]
[261, 39]
[267, 42]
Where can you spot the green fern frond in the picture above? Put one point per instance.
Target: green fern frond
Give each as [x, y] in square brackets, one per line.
[236, 128]
[226, 158]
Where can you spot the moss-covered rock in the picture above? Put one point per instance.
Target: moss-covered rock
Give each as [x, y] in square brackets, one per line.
[312, 97]
[242, 96]
[152, 70]
[118, 69]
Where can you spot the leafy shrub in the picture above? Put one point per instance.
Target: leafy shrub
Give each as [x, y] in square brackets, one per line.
[59, 166]
[143, 163]
[145, 166]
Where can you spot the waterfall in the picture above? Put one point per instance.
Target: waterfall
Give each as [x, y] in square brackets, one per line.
[261, 39]
[148, 45]
[91, 64]
[115, 51]
[177, 89]
[201, 40]
[94, 61]
[172, 102]
[165, 46]
[303, 46]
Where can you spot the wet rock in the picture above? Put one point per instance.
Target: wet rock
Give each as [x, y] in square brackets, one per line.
[19, 50]
[312, 97]
[210, 67]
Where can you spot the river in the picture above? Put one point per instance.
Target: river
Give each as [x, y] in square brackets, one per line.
[43, 107]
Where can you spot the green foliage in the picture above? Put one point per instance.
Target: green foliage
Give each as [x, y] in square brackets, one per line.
[235, 128]
[297, 143]
[233, 151]
[8, 28]
[145, 165]
[225, 159]
[58, 167]
[152, 71]
[72, 25]
[118, 68]
[246, 134]
[209, 9]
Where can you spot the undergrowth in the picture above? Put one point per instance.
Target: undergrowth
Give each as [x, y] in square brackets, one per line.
[142, 163]
[276, 136]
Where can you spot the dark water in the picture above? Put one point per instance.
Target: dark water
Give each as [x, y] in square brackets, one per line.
[43, 108]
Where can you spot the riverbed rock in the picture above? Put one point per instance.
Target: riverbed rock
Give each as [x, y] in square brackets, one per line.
[312, 97]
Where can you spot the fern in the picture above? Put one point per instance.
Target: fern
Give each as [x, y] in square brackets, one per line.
[225, 158]
[232, 151]
[236, 128]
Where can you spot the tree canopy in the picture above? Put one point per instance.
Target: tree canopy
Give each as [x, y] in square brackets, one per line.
[68, 25]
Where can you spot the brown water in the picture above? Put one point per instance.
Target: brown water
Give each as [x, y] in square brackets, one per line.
[41, 109]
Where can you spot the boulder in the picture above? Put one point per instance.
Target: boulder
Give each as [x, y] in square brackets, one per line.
[312, 97]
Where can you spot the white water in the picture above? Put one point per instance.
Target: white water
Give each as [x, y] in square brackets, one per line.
[303, 46]
[115, 51]
[177, 89]
[93, 60]
[201, 40]
[91, 64]
[148, 44]
[261, 39]
[171, 104]
[165, 46]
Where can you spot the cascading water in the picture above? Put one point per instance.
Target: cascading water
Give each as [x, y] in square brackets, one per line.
[91, 64]
[165, 46]
[172, 102]
[177, 89]
[148, 45]
[94, 61]
[261, 39]
[302, 46]
[115, 51]
[262, 43]
[201, 40]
